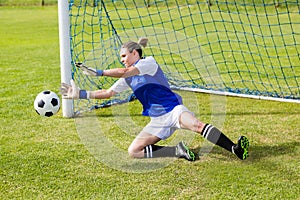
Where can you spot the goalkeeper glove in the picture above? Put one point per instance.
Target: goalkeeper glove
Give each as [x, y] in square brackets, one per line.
[73, 92]
[88, 70]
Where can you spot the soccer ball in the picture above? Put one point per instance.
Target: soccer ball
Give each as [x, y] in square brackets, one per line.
[46, 103]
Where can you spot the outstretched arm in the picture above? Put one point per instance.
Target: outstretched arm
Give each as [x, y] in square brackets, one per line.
[116, 73]
[121, 72]
[73, 92]
[101, 94]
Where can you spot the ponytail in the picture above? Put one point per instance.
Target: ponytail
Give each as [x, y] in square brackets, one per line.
[143, 41]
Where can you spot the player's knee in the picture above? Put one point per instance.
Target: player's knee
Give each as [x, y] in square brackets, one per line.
[131, 151]
[134, 151]
[198, 126]
[190, 122]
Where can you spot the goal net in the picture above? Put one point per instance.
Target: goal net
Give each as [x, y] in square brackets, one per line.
[247, 48]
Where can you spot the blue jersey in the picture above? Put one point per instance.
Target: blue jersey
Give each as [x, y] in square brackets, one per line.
[154, 93]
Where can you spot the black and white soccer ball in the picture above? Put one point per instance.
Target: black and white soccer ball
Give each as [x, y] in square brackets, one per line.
[47, 103]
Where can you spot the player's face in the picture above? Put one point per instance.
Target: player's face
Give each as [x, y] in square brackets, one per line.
[127, 58]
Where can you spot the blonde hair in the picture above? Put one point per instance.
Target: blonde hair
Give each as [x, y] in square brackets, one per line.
[130, 46]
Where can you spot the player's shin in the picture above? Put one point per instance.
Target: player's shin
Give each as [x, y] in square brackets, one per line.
[154, 151]
[178, 151]
[215, 136]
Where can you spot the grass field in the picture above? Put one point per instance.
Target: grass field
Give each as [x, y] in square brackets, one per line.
[46, 158]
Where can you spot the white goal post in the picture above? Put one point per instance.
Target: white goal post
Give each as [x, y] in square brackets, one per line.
[65, 53]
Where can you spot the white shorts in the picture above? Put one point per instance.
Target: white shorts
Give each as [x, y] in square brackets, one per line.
[165, 125]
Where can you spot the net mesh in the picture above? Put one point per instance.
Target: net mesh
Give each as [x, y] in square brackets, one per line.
[247, 47]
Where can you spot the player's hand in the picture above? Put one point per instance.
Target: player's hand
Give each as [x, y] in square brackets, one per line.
[69, 91]
[88, 70]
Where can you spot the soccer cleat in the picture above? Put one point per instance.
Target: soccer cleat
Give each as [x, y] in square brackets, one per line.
[182, 151]
[241, 148]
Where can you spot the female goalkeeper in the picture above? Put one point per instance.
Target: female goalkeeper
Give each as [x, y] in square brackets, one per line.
[165, 108]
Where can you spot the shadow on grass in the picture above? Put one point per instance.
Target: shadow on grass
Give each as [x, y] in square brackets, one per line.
[258, 152]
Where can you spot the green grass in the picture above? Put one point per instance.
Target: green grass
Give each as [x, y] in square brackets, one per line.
[48, 158]
[26, 2]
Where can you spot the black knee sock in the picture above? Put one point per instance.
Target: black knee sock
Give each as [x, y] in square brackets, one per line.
[154, 151]
[215, 136]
